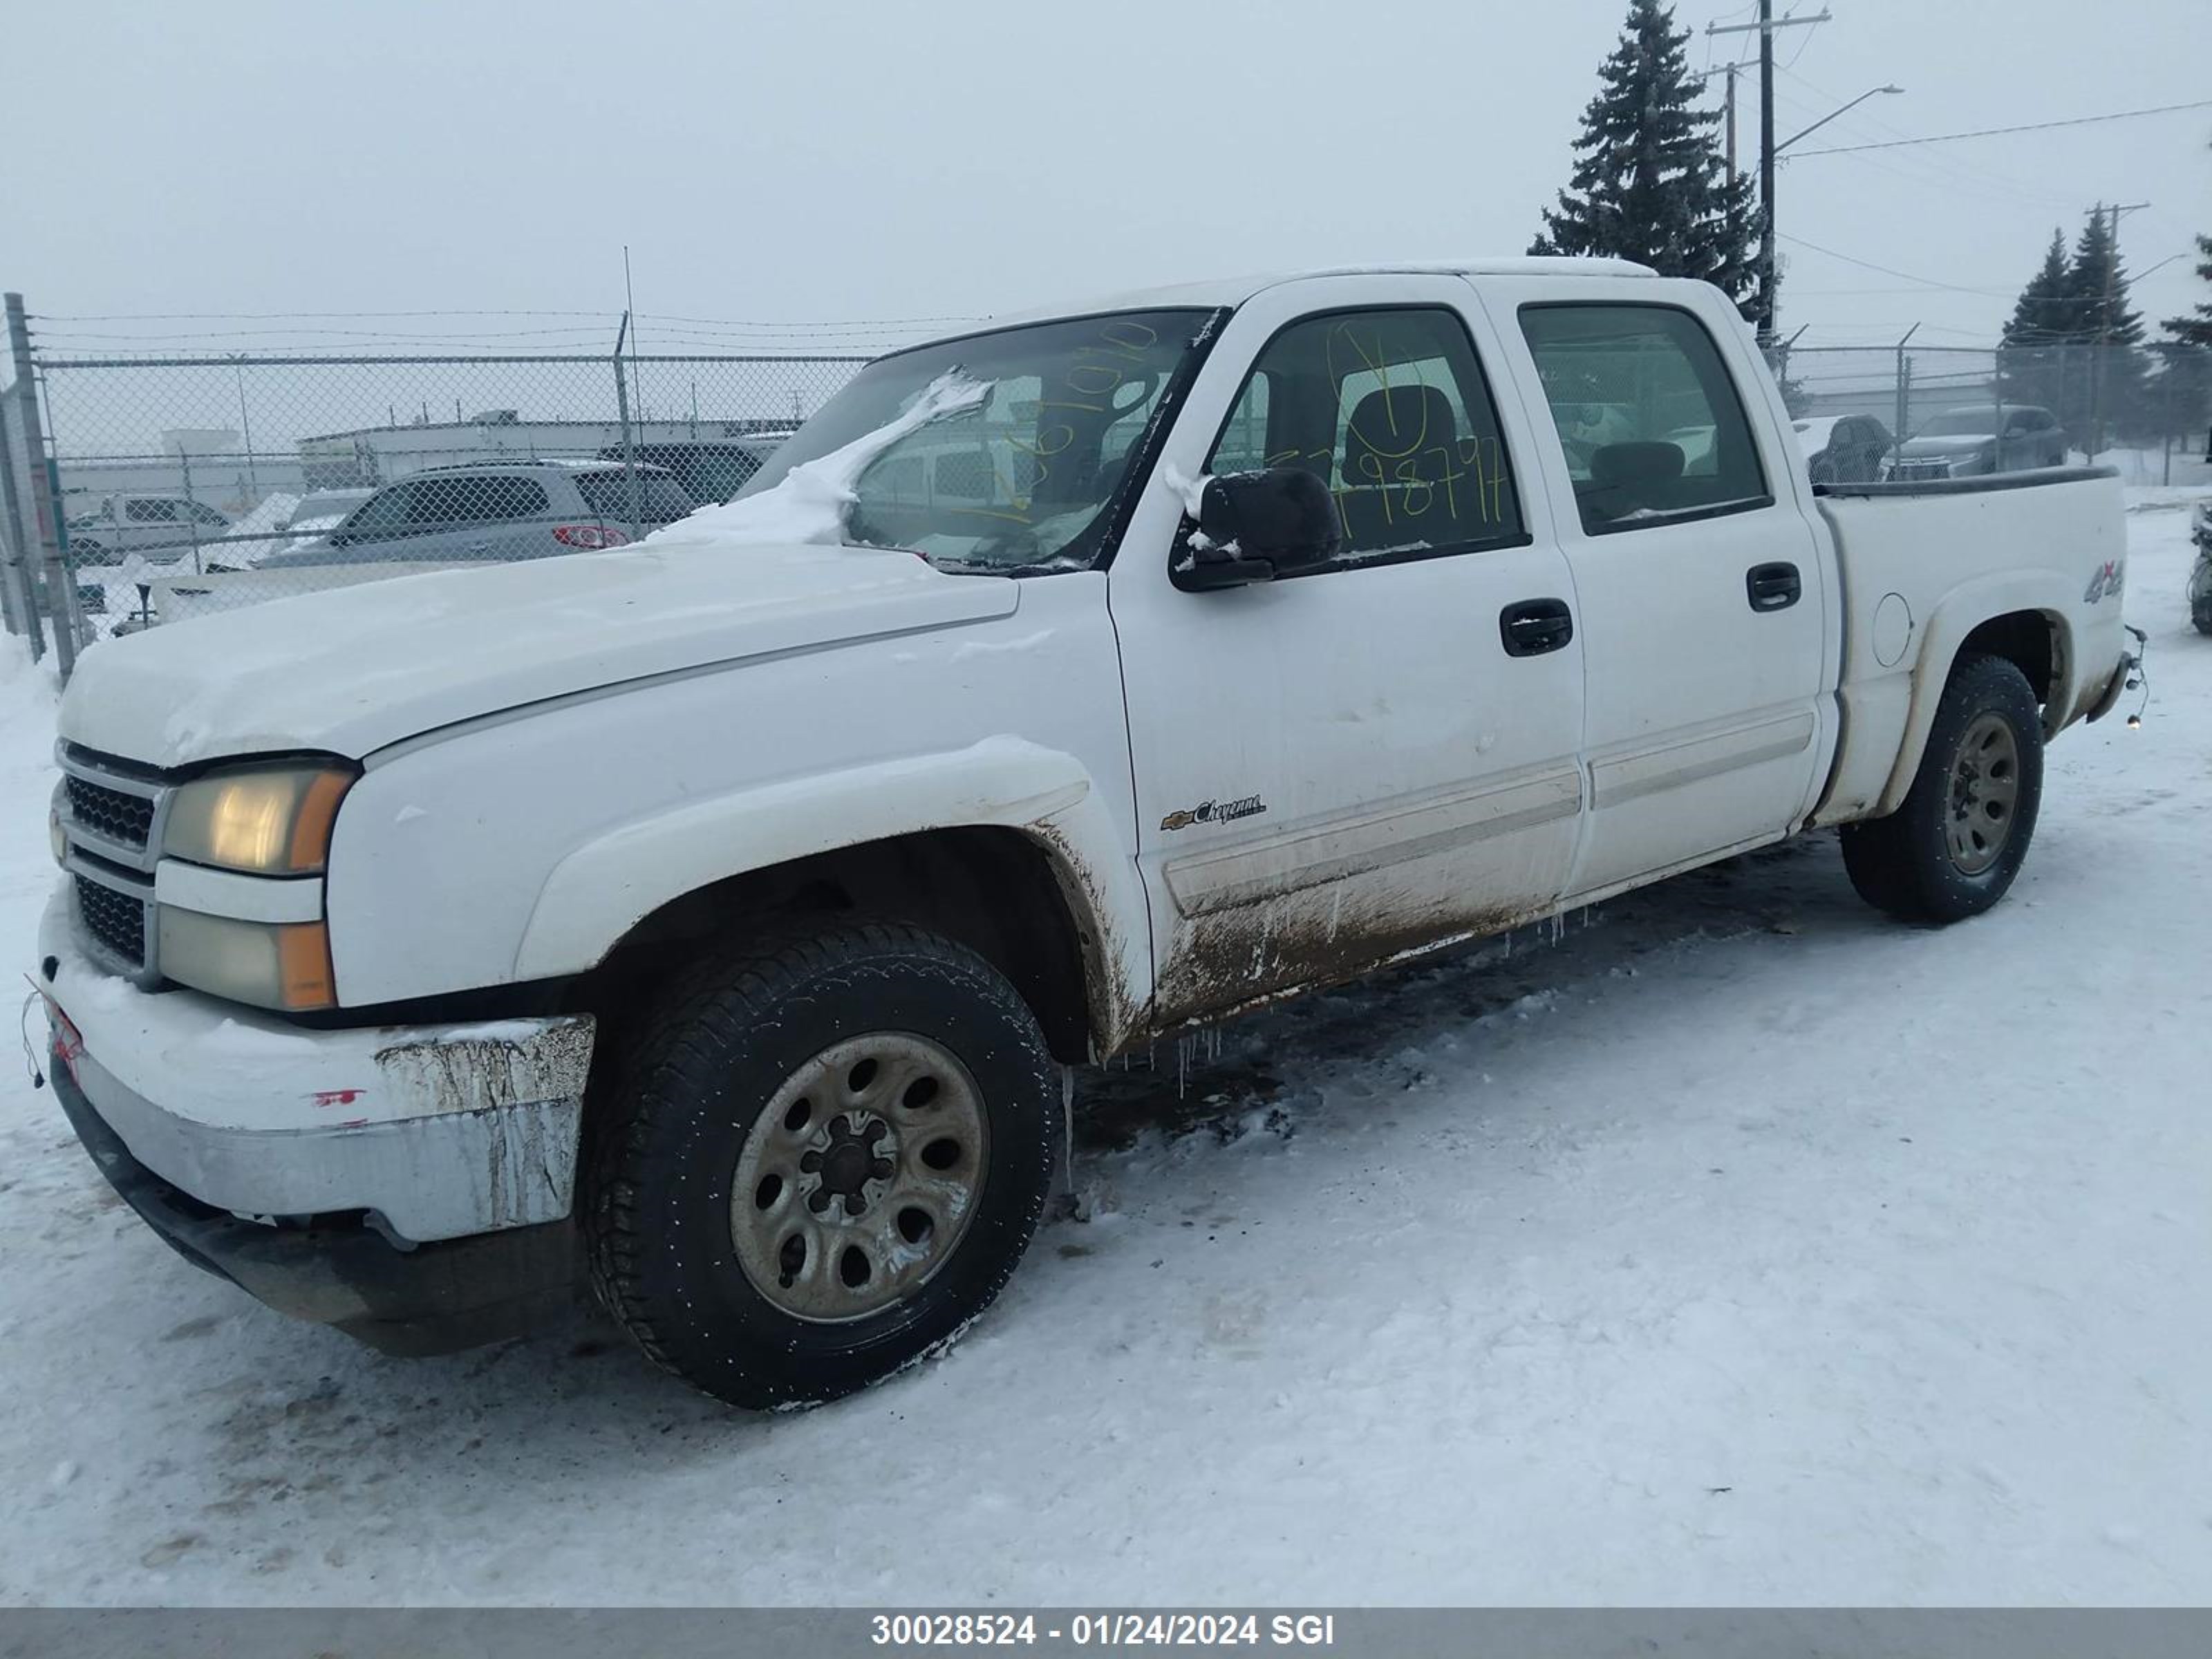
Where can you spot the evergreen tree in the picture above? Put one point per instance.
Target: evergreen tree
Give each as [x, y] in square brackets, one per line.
[2197, 331]
[2042, 335]
[2112, 398]
[1649, 182]
[2045, 309]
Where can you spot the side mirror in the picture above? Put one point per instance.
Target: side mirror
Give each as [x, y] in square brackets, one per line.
[1256, 526]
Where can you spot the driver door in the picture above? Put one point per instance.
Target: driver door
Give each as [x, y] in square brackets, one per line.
[1340, 767]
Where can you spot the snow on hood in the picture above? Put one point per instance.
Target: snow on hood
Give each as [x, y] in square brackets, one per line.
[810, 502]
[351, 669]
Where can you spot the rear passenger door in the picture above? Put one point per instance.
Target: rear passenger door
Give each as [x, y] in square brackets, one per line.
[482, 517]
[1702, 592]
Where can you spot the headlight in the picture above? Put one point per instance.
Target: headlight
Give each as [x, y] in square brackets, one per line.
[268, 964]
[272, 821]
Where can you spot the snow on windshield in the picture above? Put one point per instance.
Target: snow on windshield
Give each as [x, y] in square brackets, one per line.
[810, 502]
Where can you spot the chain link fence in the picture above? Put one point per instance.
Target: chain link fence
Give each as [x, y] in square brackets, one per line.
[1914, 411]
[183, 485]
[141, 489]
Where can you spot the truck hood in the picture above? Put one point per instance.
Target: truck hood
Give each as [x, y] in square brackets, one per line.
[350, 671]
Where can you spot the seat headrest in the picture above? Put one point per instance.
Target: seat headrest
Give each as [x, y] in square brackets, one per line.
[1399, 434]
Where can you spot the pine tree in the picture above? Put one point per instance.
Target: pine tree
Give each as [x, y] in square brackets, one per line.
[2042, 335]
[2197, 331]
[2112, 332]
[2045, 311]
[1649, 182]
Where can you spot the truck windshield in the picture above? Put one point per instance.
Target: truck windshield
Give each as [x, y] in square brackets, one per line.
[1021, 473]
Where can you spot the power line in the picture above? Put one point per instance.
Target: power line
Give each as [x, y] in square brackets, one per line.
[1887, 271]
[1993, 133]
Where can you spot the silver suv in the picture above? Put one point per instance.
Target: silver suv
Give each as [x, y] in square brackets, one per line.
[496, 512]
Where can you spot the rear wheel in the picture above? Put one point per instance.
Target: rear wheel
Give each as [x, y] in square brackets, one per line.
[1952, 848]
[823, 1160]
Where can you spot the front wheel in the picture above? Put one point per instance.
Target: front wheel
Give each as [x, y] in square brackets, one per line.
[1952, 848]
[821, 1162]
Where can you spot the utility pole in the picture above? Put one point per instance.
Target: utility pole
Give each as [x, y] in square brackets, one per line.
[1767, 297]
[1731, 124]
[2104, 319]
[1766, 25]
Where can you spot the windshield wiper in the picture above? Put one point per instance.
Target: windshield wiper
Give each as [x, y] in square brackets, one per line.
[988, 568]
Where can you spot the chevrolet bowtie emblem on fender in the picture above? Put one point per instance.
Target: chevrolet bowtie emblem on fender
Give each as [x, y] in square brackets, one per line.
[2105, 580]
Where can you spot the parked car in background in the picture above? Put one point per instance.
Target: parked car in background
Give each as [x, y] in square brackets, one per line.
[710, 471]
[1976, 440]
[494, 512]
[318, 514]
[126, 539]
[164, 528]
[1843, 448]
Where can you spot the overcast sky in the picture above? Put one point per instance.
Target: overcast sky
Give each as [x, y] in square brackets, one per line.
[835, 160]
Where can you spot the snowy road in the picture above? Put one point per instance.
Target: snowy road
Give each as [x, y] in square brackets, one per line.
[1740, 1246]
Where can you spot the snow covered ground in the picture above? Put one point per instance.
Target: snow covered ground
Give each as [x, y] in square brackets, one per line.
[1740, 1246]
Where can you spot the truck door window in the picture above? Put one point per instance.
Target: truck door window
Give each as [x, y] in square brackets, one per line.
[1654, 429]
[1390, 410]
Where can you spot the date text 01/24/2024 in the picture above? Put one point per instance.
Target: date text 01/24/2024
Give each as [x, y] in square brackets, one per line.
[1308, 1630]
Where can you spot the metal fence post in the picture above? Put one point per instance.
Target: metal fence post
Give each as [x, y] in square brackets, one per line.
[629, 438]
[1902, 430]
[46, 509]
[20, 603]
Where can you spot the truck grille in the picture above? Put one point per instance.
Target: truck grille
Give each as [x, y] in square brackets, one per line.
[116, 918]
[125, 819]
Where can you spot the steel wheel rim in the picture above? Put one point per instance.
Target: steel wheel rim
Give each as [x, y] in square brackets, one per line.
[1984, 794]
[860, 1178]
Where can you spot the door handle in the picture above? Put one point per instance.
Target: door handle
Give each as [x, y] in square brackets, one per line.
[1773, 587]
[1531, 627]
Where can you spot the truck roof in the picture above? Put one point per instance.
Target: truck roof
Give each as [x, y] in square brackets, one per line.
[1234, 290]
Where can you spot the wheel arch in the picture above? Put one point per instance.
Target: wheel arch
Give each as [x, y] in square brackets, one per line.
[2030, 629]
[1004, 848]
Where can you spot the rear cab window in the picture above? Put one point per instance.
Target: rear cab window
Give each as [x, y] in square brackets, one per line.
[1653, 425]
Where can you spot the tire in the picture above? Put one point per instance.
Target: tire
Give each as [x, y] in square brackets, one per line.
[1953, 848]
[719, 1099]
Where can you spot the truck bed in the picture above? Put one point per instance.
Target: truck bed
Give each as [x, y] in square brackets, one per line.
[1925, 564]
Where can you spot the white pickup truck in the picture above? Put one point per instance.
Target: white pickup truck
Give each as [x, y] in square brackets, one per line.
[712, 921]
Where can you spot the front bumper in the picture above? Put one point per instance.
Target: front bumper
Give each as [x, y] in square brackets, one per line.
[410, 1184]
[437, 1132]
[432, 1299]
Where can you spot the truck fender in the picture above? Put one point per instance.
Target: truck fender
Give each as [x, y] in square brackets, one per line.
[1956, 616]
[604, 887]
